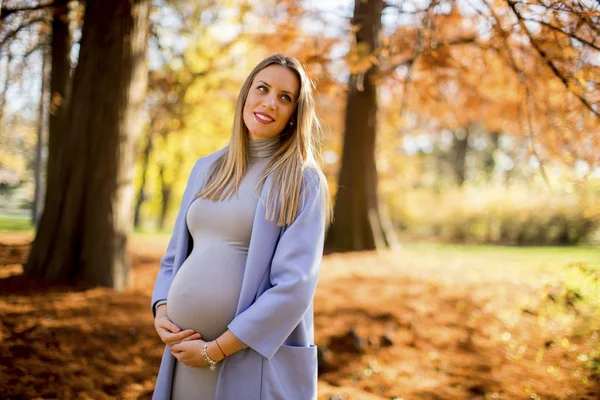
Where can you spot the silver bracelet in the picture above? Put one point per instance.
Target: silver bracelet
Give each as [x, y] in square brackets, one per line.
[210, 361]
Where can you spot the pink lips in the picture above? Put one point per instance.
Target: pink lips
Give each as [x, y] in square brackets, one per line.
[264, 115]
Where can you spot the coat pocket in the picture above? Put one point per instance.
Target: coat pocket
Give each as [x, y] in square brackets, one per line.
[291, 374]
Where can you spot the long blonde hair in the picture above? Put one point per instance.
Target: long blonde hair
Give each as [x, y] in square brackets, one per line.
[298, 150]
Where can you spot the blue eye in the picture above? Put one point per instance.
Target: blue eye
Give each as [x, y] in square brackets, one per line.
[263, 89]
[286, 97]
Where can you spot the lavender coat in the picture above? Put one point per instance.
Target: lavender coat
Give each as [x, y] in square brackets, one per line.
[274, 314]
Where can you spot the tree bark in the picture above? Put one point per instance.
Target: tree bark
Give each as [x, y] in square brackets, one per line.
[38, 194]
[60, 80]
[88, 215]
[358, 222]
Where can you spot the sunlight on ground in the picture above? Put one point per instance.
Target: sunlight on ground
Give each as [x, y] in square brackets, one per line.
[429, 321]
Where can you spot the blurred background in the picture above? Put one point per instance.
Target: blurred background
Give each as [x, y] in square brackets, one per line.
[461, 142]
[487, 110]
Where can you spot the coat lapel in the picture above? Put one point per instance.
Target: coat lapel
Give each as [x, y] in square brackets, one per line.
[263, 240]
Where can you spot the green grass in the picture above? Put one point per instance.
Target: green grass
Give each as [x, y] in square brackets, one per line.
[15, 224]
[20, 224]
[549, 255]
[574, 269]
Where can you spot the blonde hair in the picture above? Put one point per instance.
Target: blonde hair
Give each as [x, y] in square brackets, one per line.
[297, 152]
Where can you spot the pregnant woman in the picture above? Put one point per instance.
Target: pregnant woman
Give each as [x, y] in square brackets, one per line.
[233, 297]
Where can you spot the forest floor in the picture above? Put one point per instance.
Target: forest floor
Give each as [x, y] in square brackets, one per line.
[426, 322]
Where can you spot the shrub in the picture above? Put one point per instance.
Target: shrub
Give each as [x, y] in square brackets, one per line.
[513, 216]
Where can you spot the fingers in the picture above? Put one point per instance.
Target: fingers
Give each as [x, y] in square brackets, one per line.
[178, 347]
[195, 336]
[172, 338]
[166, 323]
[170, 333]
[175, 350]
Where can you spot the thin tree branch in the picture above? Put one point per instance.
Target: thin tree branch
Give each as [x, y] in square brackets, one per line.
[530, 135]
[593, 25]
[5, 11]
[569, 34]
[12, 34]
[409, 61]
[417, 53]
[548, 61]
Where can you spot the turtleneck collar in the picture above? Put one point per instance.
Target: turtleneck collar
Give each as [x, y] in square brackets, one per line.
[263, 148]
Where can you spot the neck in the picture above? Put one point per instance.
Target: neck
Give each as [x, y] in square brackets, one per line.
[263, 148]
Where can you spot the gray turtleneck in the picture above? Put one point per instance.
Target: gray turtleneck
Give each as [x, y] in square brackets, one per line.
[206, 288]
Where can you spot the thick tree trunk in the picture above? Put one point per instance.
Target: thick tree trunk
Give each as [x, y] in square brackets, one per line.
[83, 231]
[60, 80]
[358, 222]
[141, 194]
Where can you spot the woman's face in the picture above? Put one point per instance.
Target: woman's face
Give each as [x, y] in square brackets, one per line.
[270, 101]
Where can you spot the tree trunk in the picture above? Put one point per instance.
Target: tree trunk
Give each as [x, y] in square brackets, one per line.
[358, 222]
[60, 80]
[165, 189]
[88, 215]
[490, 161]
[461, 147]
[142, 190]
[5, 86]
[38, 194]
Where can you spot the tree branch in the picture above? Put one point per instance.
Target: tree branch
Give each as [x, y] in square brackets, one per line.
[12, 34]
[548, 61]
[5, 11]
[417, 53]
[569, 34]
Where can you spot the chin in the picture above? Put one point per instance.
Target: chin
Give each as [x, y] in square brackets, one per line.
[262, 135]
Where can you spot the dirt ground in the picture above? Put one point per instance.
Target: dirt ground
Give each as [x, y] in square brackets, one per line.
[388, 327]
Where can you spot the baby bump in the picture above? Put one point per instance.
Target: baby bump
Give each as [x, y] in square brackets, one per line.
[206, 289]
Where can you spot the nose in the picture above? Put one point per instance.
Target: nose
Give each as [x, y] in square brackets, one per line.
[269, 101]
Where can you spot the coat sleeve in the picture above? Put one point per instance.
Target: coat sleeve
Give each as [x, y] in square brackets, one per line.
[266, 324]
[163, 279]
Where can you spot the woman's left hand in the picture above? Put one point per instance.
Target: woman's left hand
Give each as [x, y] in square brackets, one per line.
[190, 353]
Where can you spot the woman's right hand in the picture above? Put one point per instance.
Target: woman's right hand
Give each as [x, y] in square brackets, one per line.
[170, 333]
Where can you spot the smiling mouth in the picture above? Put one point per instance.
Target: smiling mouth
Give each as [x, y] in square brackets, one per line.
[262, 118]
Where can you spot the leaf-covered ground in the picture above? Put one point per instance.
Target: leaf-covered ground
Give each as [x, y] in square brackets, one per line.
[428, 322]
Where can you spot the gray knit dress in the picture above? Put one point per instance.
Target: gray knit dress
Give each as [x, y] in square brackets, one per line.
[205, 290]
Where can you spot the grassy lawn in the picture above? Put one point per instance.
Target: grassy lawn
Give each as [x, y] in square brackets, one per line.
[19, 224]
[508, 260]
[15, 224]
[571, 271]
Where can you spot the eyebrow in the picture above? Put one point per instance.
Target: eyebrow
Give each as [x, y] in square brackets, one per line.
[284, 91]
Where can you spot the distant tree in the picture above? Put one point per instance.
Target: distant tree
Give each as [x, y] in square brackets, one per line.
[358, 221]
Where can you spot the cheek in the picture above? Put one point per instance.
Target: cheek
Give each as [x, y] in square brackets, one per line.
[250, 103]
[287, 112]
[246, 108]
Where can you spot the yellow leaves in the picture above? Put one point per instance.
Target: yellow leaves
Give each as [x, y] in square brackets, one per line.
[360, 59]
[440, 57]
